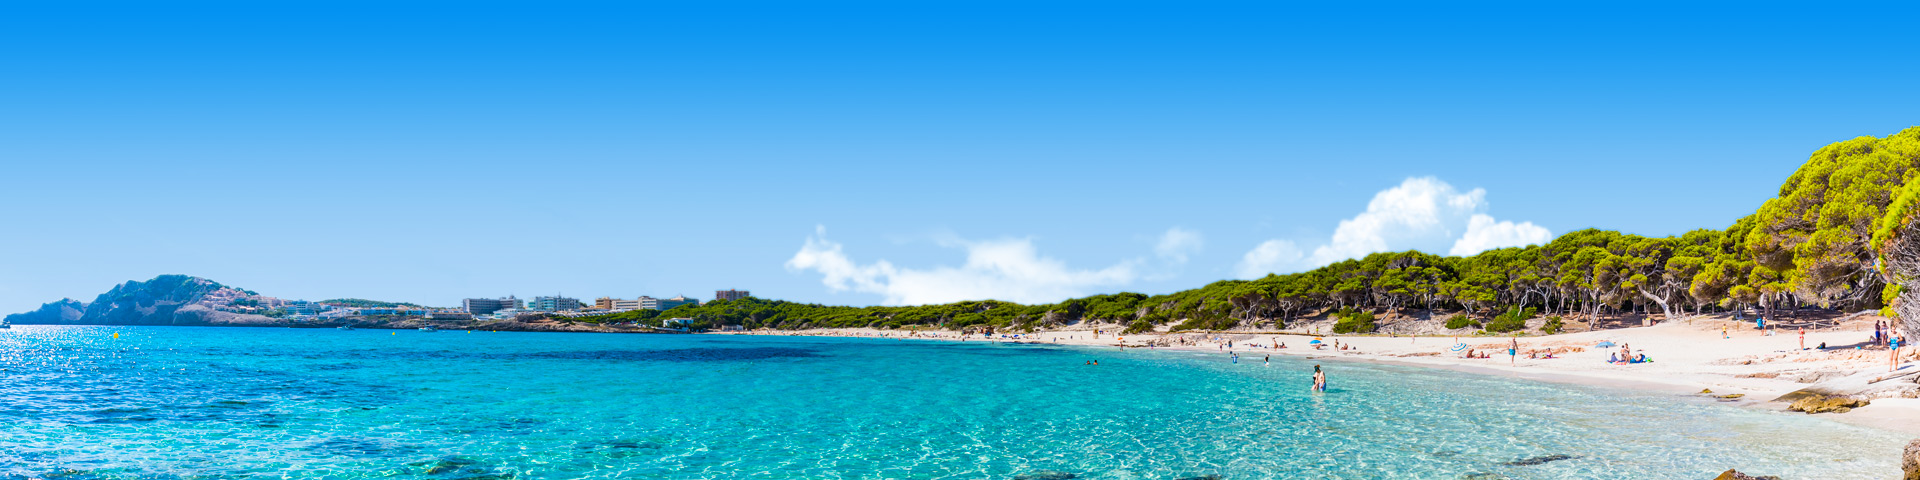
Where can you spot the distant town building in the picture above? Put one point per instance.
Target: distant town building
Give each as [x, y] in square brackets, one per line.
[403, 312]
[604, 303]
[554, 304]
[730, 294]
[449, 315]
[651, 303]
[483, 306]
[676, 301]
[303, 307]
[625, 305]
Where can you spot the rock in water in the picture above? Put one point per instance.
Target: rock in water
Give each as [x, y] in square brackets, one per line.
[1540, 459]
[1046, 475]
[1826, 403]
[1731, 474]
[1203, 477]
[1910, 461]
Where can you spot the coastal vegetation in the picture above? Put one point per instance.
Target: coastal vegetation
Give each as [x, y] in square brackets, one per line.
[364, 303]
[1839, 235]
[1814, 245]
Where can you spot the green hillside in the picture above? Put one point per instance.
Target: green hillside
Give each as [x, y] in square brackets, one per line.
[1810, 246]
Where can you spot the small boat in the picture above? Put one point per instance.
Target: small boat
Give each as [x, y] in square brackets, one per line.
[429, 328]
[345, 327]
[4, 325]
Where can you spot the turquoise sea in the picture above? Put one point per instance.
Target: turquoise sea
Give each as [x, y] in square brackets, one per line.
[231, 403]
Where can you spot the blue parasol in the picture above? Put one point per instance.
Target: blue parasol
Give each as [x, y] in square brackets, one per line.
[1603, 344]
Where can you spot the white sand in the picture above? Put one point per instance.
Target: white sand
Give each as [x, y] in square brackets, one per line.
[1688, 356]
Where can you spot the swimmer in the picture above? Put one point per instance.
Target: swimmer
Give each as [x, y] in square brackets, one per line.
[1319, 379]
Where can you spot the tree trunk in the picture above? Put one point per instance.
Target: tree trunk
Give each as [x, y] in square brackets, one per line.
[1663, 303]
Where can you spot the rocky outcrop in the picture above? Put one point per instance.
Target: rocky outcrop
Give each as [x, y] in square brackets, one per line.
[180, 300]
[154, 302]
[1910, 461]
[1816, 403]
[1731, 474]
[65, 311]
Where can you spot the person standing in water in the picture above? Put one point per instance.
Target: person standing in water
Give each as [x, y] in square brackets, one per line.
[1893, 349]
[1319, 379]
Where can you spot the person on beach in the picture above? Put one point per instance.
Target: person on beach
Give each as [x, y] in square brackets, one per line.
[1319, 379]
[1893, 349]
[1803, 338]
[1723, 332]
[1513, 352]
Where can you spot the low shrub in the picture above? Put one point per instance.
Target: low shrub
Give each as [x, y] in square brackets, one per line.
[1138, 326]
[1554, 325]
[1355, 322]
[1515, 319]
[1461, 321]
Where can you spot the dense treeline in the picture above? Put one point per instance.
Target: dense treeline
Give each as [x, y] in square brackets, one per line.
[1813, 245]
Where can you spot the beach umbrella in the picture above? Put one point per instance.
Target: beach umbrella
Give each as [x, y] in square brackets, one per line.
[1603, 344]
[1314, 342]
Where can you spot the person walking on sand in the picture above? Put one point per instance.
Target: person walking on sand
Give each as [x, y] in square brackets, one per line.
[1319, 379]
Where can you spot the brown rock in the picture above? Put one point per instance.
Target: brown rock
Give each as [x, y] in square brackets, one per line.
[1731, 474]
[1910, 461]
[1826, 403]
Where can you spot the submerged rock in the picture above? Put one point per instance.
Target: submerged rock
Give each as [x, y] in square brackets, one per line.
[1046, 475]
[1540, 459]
[445, 465]
[1202, 477]
[1826, 403]
[1910, 461]
[1731, 474]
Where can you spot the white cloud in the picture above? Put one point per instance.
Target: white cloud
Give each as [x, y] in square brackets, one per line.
[1483, 233]
[1421, 213]
[1177, 244]
[1006, 269]
[1270, 256]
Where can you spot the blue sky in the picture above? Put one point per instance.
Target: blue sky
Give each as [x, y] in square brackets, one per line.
[432, 151]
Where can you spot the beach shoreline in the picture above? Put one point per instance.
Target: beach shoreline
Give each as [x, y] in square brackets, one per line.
[1695, 361]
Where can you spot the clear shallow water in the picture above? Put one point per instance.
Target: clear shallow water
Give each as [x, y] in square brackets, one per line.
[179, 402]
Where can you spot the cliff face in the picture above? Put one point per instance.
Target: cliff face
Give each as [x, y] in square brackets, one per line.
[164, 300]
[191, 301]
[65, 311]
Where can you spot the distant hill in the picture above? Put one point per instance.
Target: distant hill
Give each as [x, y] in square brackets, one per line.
[164, 300]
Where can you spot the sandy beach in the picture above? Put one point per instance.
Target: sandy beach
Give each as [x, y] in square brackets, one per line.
[1747, 367]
